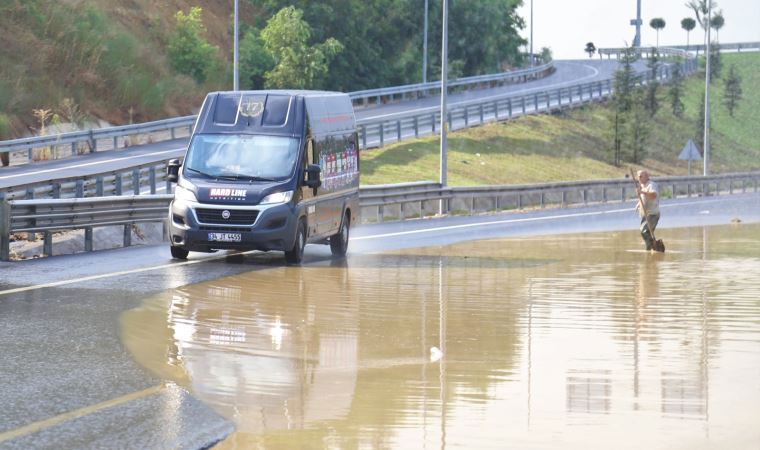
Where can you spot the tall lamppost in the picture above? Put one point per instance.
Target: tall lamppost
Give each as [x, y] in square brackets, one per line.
[531, 34]
[706, 156]
[235, 78]
[444, 77]
[425, 46]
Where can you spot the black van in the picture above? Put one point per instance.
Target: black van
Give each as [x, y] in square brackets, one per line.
[267, 170]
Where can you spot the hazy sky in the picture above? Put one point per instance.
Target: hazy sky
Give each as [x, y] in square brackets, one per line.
[566, 26]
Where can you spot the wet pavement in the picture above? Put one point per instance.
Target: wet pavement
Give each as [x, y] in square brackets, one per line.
[556, 341]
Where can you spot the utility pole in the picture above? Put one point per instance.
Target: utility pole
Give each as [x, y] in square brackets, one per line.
[444, 87]
[531, 33]
[425, 46]
[235, 77]
[637, 23]
[706, 156]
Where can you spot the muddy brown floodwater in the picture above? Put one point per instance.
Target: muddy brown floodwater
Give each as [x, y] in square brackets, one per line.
[569, 342]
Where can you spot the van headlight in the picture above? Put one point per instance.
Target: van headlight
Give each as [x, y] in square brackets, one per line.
[277, 197]
[184, 195]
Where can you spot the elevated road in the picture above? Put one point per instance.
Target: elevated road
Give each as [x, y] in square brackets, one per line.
[568, 73]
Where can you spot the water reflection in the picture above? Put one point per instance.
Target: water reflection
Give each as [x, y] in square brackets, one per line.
[574, 342]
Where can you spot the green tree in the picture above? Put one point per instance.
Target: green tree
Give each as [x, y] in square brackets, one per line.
[716, 65]
[651, 104]
[688, 24]
[638, 129]
[658, 23]
[5, 133]
[189, 51]
[675, 91]
[546, 55]
[255, 60]
[732, 90]
[297, 65]
[700, 8]
[590, 49]
[716, 22]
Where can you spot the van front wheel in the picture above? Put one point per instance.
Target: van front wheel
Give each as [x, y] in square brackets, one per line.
[179, 252]
[295, 255]
[339, 240]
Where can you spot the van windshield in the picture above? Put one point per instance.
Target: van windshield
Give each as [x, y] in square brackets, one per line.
[242, 156]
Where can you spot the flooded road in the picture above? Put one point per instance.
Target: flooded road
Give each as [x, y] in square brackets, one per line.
[573, 341]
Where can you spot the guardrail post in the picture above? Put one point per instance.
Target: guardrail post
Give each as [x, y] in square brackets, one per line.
[136, 181]
[127, 235]
[398, 130]
[518, 203]
[73, 149]
[56, 190]
[481, 114]
[449, 120]
[88, 239]
[523, 105]
[47, 244]
[496, 110]
[432, 121]
[382, 129]
[99, 186]
[30, 196]
[93, 142]
[152, 177]
[115, 142]
[535, 103]
[117, 189]
[173, 134]
[29, 154]
[79, 193]
[5, 228]
[416, 127]
[363, 129]
[466, 117]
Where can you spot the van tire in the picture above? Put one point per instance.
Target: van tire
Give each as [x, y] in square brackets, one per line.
[179, 252]
[295, 255]
[339, 240]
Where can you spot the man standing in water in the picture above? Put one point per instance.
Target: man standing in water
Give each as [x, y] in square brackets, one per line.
[651, 213]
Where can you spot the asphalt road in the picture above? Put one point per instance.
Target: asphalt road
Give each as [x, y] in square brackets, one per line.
[66, 380]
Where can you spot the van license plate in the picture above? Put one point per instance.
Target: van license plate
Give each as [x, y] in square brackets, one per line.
[225, 237]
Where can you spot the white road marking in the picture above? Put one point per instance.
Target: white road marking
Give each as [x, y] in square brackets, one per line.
[116, 274]
[94, 163]
[502, 222]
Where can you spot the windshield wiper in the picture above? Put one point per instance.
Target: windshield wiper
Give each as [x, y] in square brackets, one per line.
[244, 177]
[207, 175]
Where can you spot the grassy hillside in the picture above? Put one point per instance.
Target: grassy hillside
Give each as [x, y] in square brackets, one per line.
[574, 145]
[107, 57]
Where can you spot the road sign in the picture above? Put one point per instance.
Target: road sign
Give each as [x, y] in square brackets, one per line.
[690, 153]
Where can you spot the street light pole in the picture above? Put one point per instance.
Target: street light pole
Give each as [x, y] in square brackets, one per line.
[425, 46]
[235, 77]
[444, 87]
[531, 34]
[706, 156]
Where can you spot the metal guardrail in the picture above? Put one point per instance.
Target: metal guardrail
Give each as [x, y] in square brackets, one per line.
[421, 122]
[380, 95]
[377, 203]
[50, 215]
[672, 49]
[415, 200]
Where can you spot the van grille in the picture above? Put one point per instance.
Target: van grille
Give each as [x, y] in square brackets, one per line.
[237, 216]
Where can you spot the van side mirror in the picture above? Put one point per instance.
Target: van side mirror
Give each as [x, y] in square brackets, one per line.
[313, 176]
[172, 170]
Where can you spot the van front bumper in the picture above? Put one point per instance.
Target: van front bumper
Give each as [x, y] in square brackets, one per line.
[260, 227]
